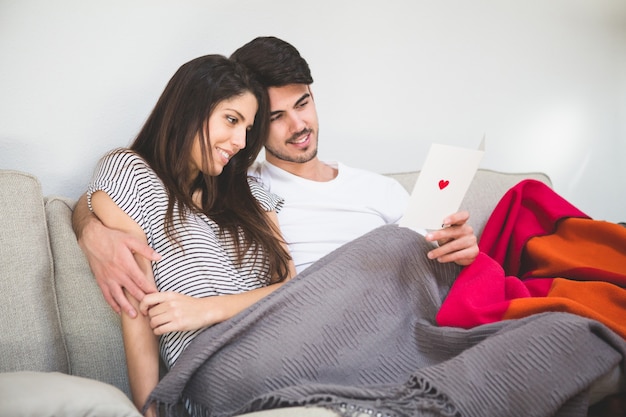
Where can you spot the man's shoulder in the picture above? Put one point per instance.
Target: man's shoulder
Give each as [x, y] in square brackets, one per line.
[268, 173]
[373, 182]
[363, 173]
[256, 169]
[258, 173]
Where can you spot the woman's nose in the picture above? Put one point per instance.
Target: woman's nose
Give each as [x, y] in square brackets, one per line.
[239, 138]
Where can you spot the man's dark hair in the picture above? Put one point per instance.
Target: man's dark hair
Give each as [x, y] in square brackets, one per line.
[274, 62]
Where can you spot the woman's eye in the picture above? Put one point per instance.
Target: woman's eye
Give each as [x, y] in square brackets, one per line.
[231, 119]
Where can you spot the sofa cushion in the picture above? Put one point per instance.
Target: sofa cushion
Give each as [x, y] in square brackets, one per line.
[30, 333]
[297, 411]
[91, 329]
[53, 394]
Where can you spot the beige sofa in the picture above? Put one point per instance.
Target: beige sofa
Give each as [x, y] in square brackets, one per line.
[60, 343]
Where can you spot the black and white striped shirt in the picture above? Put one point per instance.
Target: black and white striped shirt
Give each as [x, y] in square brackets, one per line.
[203, 261]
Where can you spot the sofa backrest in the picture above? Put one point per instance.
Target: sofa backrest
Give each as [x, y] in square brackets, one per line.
[91, 329]
[485, 191]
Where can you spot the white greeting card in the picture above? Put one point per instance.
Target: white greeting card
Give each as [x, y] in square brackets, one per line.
[441, 185]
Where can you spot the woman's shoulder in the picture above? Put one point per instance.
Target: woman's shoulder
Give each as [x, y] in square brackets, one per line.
[124, 157]
[123, 162]
[268, 200]
[122, 169]
[127, 179]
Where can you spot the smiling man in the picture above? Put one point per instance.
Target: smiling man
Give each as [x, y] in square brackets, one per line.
[327, 204]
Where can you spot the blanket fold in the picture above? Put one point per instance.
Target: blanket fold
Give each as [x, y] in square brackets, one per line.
[356, 332]
[539, 254]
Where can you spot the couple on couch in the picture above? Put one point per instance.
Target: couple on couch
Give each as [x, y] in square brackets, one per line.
[355, 331]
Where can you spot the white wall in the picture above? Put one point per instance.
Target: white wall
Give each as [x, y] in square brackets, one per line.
[545, 80]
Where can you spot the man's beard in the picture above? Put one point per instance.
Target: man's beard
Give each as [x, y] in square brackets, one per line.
[308, 155]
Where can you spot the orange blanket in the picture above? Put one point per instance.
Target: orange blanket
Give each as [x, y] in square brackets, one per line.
[538, 254]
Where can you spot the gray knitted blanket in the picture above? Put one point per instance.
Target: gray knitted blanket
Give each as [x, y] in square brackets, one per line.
[355, 333]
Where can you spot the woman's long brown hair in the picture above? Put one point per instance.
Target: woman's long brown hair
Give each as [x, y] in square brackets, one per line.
[166, 140]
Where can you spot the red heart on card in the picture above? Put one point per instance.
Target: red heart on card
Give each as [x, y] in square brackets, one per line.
[443, 184]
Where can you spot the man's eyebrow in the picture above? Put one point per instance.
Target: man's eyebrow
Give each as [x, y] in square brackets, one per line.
[300, 100]
[304, 97]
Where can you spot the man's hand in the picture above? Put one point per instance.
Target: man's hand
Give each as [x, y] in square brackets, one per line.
[110, 254]
[457, 242]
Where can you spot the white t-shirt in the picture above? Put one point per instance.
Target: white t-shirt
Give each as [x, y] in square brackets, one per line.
[318, 217]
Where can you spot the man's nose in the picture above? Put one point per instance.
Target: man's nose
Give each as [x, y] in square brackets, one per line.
[297, 124]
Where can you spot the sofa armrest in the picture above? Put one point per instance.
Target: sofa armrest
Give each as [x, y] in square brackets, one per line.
[30, 331]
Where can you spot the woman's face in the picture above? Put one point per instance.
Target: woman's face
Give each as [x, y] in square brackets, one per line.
[227, 127]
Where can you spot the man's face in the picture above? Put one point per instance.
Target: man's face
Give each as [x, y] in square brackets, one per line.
[293, 125]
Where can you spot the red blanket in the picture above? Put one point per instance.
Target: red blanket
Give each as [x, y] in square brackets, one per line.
[538, 254]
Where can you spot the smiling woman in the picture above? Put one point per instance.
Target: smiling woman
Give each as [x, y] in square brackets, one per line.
[229, 124]
[182, 187]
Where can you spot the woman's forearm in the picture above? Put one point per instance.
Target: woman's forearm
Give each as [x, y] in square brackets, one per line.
[230, 305]
[173, 311]
[142, 356]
